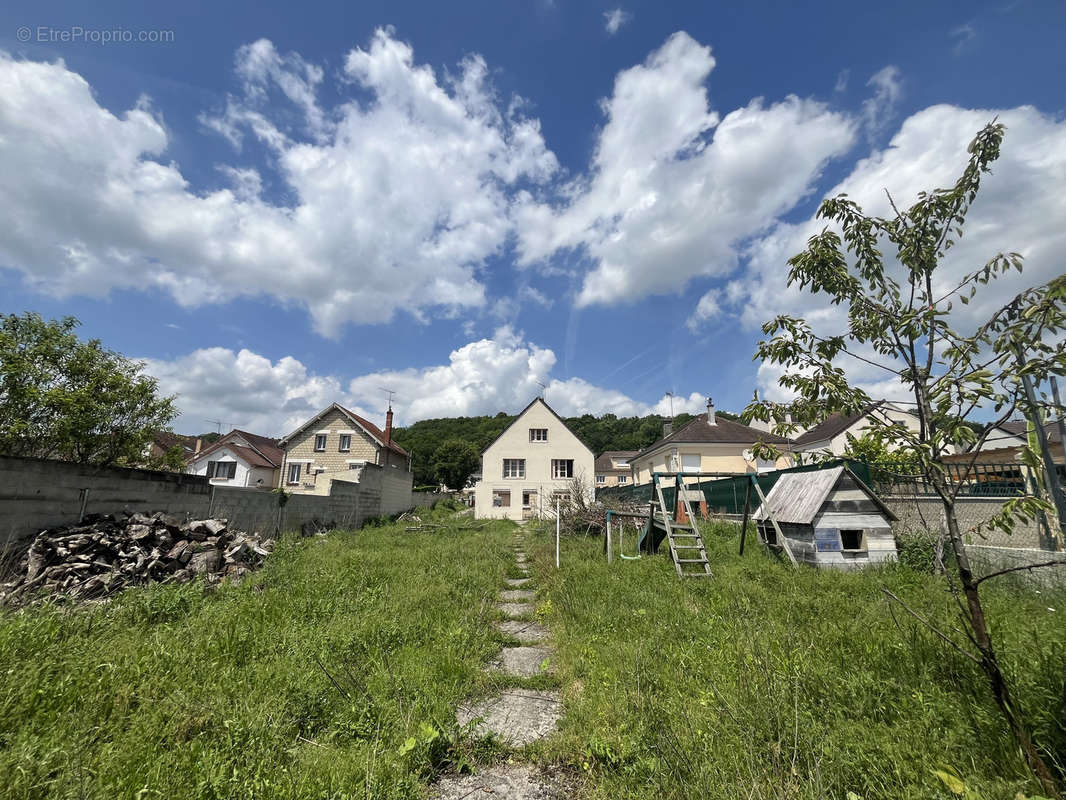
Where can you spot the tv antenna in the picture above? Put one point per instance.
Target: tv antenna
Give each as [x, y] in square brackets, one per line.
[671, 396]
[389, 393]
[543, 389]
[218, 424]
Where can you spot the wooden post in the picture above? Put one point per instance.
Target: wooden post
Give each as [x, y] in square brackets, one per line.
[744, 525]
[609, 554]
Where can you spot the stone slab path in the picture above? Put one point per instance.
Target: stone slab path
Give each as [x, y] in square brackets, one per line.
[516, 716]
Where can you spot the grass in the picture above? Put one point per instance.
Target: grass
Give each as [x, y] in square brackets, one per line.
[770, 682]
[336, 671]
[332, 673]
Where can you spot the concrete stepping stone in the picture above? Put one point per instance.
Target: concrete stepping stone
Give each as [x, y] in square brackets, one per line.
[517, 581]
[517, 595]
[525, 632]
[517, 717]
[516, 609]
[524, 661]
[503, 782]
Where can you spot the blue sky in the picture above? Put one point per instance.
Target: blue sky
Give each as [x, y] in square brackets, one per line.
[281, 207]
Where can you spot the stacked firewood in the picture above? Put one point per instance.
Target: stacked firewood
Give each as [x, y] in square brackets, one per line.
[104, 554]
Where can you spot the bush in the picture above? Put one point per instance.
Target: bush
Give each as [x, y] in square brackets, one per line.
[917, 550]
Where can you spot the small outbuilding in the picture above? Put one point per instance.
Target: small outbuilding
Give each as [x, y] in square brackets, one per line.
[830, 519]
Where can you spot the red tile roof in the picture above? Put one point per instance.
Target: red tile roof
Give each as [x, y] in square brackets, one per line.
[374, 431]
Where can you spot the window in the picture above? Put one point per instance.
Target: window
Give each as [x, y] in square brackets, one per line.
[355, 465]
[501, 499]
[621, 465]
[690, 462]
[320, 442]
[529, 499]
[345, 443]
[852, 540]
[562, 467]
[514, 468]
[294, 473]
[601, 479]
[538, 434]
[623, 479]
[221, 470]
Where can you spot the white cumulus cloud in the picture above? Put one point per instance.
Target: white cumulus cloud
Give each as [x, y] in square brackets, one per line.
[673, 188]
[500, 373]
[390, 200]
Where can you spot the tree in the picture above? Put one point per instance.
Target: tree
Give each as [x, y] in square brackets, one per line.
[898, 322]
[455, 461]
[875, 452]
[64, 398]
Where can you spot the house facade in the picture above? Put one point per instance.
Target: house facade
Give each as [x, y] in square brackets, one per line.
[831, 436]
[613, 469]
[336, 444]
[531, 465]
[709, 444]
[239, 459]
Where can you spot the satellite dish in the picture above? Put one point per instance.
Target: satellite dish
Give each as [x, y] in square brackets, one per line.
[748, 455]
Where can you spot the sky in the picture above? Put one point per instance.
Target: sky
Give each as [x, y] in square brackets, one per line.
[279, 206]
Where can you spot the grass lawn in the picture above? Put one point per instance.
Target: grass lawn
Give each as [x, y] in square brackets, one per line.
[770, 682]
[334, 672]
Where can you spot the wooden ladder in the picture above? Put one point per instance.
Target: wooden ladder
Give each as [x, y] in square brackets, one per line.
[686, 543]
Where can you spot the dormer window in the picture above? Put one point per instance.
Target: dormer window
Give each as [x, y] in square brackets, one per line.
[538, 434]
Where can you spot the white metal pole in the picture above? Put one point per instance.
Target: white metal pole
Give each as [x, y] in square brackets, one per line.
[608, 540]
[557, 524]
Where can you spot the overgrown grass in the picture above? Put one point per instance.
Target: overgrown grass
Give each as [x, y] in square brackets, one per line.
[770, 682]
[335, 672]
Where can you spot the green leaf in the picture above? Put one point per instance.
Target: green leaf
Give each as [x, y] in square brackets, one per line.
[953, 782]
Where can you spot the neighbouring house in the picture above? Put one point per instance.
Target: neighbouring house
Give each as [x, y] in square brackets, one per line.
[1007, 439]
[531, 465]
[336, 444]
[830, 519]
[831, 435]
[612, 468]
[709, 444]
[239, 459]
[165, 441]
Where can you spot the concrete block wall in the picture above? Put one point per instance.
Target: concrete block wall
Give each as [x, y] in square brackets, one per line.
[926, 513]
[37, 493]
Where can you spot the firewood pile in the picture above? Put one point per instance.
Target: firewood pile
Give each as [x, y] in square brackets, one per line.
[104, 554]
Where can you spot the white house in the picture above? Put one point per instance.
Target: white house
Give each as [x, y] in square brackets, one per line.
[530, 465]
[832, 435]
[239, 459]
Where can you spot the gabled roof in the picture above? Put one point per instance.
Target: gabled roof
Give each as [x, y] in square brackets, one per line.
[834, 425]
[262, 451]
[165, 440]
[605, 460]
[723, 431]
[1018, 427]
[371, 429]
[519, 417]
[797, 497]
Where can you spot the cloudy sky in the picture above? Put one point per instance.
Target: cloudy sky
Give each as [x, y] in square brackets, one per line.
[276, 208]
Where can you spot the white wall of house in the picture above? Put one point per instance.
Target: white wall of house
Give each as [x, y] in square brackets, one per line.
[716, 457]
[531, 494]
[838, 445]
[244, 475]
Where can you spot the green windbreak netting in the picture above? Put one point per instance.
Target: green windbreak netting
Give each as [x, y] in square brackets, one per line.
[724, 495]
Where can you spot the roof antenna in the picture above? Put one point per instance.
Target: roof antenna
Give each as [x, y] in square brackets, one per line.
[671, 396]
[389, 393]
[543, 390]
[218, 424]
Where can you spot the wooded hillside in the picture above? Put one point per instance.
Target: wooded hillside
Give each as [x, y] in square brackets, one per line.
[608, 432]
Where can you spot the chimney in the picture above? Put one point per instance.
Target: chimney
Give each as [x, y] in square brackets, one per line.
[710, 412]
[198, 445]
[388, 426]
[668, 428]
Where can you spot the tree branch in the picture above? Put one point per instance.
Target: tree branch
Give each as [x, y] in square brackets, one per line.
[1056, 563]
[931, 627]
